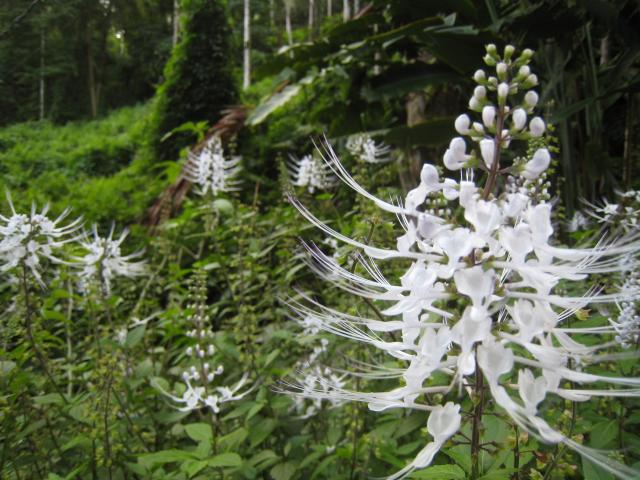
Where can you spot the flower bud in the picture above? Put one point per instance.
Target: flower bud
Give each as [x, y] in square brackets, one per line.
[524, 71]
[478, 128]
[462, 124]
[211, 350]
[527, 53]
[531, 81]
[480, 92]
[503, 91]
[492, 49]
[493, 81]
[501, 70]
[489, 60]
[508, 51]
[531, 98]
[479, 76]
[474, 104]
[488, 116]
[536, 127]
[519, 118]
[189, 351]
[487, 149]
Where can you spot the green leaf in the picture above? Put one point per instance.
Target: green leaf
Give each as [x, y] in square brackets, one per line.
[283, 471]
[603, 434]
[594, 472]
[149, 460]
[227, 459]
[222, 205]
[258, 433]
[232, 440]
[191, 467]
[502, 474]
[265, 457]
[200, 432]
[48, 399]
[134, 336]
[274, 102]
[440, 472]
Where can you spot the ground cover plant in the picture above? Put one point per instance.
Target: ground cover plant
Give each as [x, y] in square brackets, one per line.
[375, 261]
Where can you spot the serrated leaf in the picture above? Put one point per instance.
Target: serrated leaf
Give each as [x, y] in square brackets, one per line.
[134, 336]
[200, 432]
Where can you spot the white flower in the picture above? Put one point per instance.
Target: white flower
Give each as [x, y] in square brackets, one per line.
[25, 239]
[537, 165]
[363, 147]
[210, 170]
[462, 124]
[531, 99]
[491, 299]
[104, 259]
[519, 118]
[536, 127]
[310, 172]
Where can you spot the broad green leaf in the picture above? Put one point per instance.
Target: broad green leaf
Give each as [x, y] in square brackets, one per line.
[134, 336]
[227, 459]
[232, 440]
[603, 433]
[258, 433]
[594, 472]
[200, 432]
[502, 474]
[283, 471]
[165, 456]
[440, 472]
[191, 467]
[274, 102]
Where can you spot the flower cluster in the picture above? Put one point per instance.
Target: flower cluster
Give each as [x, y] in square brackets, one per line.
[622, 216]
[365, 149]
[27, 239]
[210, 170]
[479, 300]
[104, 259]
[310, 172]
[201, 374]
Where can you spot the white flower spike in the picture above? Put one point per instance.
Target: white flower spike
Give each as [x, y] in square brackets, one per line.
[479, 300]
[210, 170]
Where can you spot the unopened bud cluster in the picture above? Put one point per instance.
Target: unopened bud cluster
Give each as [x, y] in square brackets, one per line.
[504, 103]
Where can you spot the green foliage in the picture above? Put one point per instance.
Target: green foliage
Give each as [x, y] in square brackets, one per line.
[198, 78]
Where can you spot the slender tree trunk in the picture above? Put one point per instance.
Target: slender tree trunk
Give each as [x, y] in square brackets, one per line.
[272, 14]
[287, 19]
[415, 107]
[329, 8]
[176, 22]
[312, 7]
[42, 85]
[91, 78]
[246, 80]
[356, 6]
[346, 10]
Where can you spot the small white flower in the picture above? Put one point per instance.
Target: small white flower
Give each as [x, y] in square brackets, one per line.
[210, 170]
[462, 124]
[104, 259]
[311, 172]
[536, 127]
[25, 239]
[538, 164]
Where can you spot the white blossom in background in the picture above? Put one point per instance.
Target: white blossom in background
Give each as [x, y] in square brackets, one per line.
[622, 216]
[26, 239]
[200, 377]
[104, 259]
[310, 172]
[210, 170]
[364, 148]
[478, 301]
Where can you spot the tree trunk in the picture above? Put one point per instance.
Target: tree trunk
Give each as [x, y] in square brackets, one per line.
[176, 22]
[356, 7]
[346, 10]
[287, 19]
[42, 85]
[91, 77]
[415, 107]
[312, 7]
[329, 8]
[272, 14]
[246, 80]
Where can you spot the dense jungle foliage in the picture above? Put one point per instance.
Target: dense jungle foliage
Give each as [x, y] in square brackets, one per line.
[105, 105]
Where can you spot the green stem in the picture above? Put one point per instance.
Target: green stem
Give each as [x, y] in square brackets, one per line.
[31, 336]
